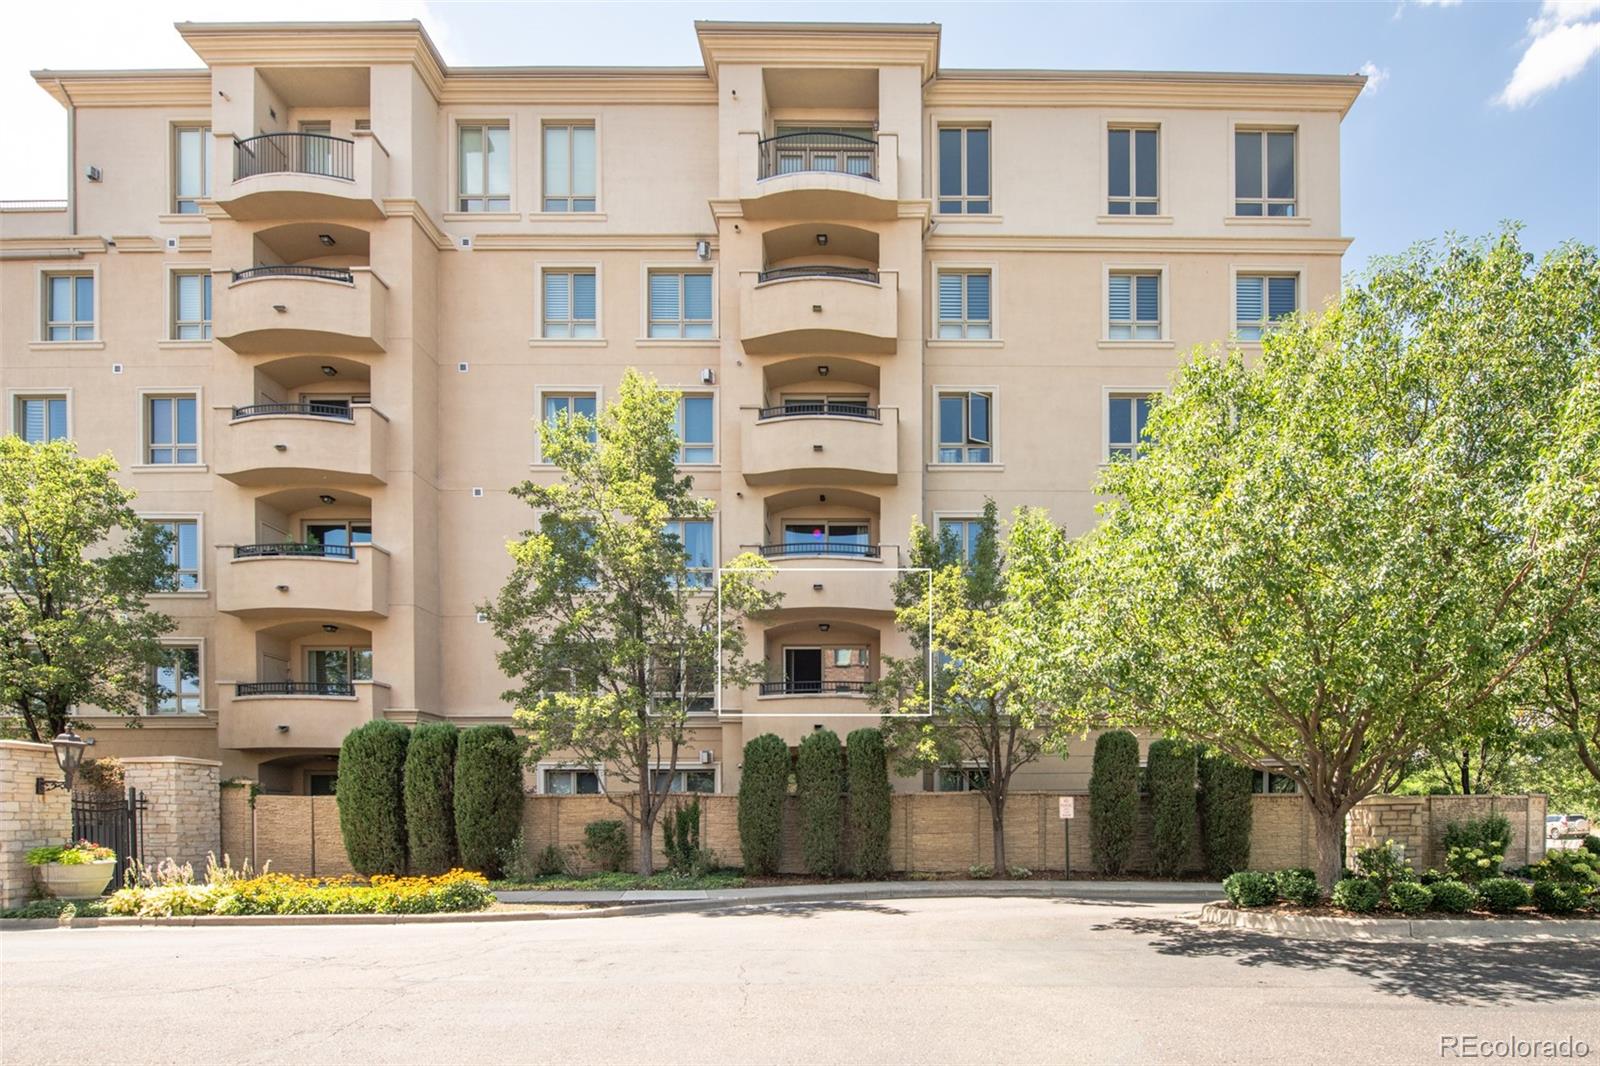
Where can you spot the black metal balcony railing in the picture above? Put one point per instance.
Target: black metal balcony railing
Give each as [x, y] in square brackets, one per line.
[819, 271]
[291, 270]
[295, 153]
[814, 688]
[315, 551]
[840, 153]
[813, 408]
[830, 549]
[317, 410]
[294, 688]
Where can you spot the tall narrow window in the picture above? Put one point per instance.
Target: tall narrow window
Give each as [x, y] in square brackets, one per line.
[191, 163]
[191, 306]
[1126, 416]
[1135, 311]
[316, 147]
[964, 305]
[966, 427]
[964, 170]
[177, 680]
[680, 304]
[37, 419]
[1131, 180]
[696, 430]
[963, 533]
[484, 175]
[569, 168]
[183, 552]
[1263, 173]
[69, 307]
[569, 304]
[694, 536]
[558, 405]
[1259, 300]
[172, 429]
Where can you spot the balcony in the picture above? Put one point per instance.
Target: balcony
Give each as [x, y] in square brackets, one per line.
[275, 715]
[307, 175]
[303, 309]
[304, 443]
[795, 443]
[819, 309]
[835, 586]
[266, 581]
[819, 175]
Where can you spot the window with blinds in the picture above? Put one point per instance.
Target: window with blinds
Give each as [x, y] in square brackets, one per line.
[1132, 183]
[569, 168]
[964, 170]
[1260, 300]
[965, 310]
[69, 307]
[695, 425]
[1135, 307]
[680, 304]
[483, 177]
[966, 427]
[191, 306]
[569, 304]
[191, 168]
[172, 430]
[1126, 415]
[1264, 173]
[37, 419]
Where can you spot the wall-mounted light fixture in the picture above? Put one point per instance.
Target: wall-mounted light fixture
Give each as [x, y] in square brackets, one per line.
[325, 498]
[68, 747]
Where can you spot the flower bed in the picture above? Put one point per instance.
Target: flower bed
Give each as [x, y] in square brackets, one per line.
[80, 854]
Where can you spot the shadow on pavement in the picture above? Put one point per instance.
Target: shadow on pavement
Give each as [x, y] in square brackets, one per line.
[1458, 974]
[800, 909]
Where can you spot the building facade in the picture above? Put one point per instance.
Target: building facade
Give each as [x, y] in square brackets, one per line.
[316, 297]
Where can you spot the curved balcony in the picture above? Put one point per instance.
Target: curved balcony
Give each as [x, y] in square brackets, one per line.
[276, 715]
[286, 580]
[781, 444]
[302, 309]
[813, 688]
[307, 175]
[837, 587]
[819, 175]
[818, 309]
[304, 443]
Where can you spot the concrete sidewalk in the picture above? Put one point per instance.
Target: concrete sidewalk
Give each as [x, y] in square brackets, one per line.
[1089, 891]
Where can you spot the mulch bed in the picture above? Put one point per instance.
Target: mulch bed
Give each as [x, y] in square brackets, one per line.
[1322, 910]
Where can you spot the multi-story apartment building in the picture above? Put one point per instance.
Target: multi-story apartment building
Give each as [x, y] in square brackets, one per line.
[316, 296]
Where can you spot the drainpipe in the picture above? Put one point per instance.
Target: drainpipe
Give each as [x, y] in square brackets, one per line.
[72, 160]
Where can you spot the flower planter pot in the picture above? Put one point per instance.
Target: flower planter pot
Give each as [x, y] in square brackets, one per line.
[79, 881]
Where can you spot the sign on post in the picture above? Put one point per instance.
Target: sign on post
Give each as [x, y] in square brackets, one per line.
[1066, 807]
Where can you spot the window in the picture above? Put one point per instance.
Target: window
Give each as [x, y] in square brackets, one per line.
[960, 779]
[1126, 416]
[1263, 173]
[846, 404]
[571, 783]
[183, 552]
[964, 170]
[316, 148]
[569, 168]
[338, 534]
[1131, 177]
[571, 404]
[1135, 307]
[569, 304]
[704, 781]
[696, 429]
[1269, 783]
[694, 535]
[336, 668]
[40, 418]
[191, 168]
[172, 429]
[1259, 300]
[680, 304]
[177, 680]
[321, 784]
[191, 306]
[966, 427]
[484, 174]
[964, 305]
[964, 533]
[69, 307]
[847, 539]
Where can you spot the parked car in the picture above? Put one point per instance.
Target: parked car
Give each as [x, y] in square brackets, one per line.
[1557, 826]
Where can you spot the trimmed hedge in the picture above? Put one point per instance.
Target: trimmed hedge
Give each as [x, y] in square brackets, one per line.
[1553, 898]
[1409, 897]
[1250, 888]
[370, 794]
[868, 765]
[1453, 897]
[1358, 894]
[1503, 894]
[488, 795]
[1171, 775]
[819, 778]
[1114, 800]
[1225, 813]
[1298, 885]
[430, 779]
[762, 787]
[607, 845]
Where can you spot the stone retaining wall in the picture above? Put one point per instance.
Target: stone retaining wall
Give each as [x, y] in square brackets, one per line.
[1419, 822]
[27, 819]
[180, 820]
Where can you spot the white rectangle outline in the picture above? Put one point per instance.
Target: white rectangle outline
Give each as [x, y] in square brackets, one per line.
[821, 570]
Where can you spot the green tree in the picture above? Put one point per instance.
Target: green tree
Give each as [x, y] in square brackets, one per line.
[1336, 555]
[371, 796]
[430, 778]
[76, 566]
[612, 632]
[868, 768]
[762, 787]
[1170, 767]
[1227, 813]
[1114, 800]
[488, 796]
[819, 784]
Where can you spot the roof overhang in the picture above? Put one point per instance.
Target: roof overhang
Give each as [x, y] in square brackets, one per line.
[820, 44]
[1132, 88]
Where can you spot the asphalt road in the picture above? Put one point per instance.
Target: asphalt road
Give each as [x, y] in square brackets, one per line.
[929, 982]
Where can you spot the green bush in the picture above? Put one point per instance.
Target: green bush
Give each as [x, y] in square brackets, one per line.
[430, 778]
[1453, 897]
[488, 795]
[1297, 886]
[1385, 865]
[1490, 834]
[1503, 895]
[680, 836]
[1226, 810]
[1114, 800]
[868, 766]
[762, 787]
[551, 862]
[1170, 771]
[606, 844]
[1250, 888]
[371, 795]
[1591, 844]
[1551, 897]
[819, 780]
[1357, 894]
[1409, 897]
[1470, 865]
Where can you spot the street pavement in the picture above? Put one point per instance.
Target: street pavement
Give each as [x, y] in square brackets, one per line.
[898, 981]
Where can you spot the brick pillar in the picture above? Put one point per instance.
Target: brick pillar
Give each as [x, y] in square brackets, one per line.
[27, 819]
[183, 817]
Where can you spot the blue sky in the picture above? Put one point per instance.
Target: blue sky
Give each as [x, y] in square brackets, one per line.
[1480, 111]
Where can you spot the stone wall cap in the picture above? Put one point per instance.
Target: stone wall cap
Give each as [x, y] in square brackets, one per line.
[126, 759]
[27, 745]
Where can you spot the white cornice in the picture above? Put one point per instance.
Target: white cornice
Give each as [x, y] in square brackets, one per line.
[127, 88]
[1126, 88]
[1151, 243]
[604, 242]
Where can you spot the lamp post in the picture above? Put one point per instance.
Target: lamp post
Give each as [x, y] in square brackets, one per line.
[69, 753]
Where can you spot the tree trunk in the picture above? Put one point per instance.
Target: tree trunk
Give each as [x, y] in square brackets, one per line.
[998, 812]
[1330, 840]
[647, 825]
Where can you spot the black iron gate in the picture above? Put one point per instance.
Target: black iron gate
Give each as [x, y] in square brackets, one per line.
[114, 822]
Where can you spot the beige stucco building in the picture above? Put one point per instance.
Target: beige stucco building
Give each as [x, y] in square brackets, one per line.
[316, 296]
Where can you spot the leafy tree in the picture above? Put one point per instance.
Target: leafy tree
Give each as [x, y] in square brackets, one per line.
[819, 783]
[870, 796]
[611, 637]
[371, 796]
[430, 777]
[762, 788]
[1336, 555]
[76, 566]
[1114, 800]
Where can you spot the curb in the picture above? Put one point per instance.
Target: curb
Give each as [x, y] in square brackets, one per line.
[1403, 930]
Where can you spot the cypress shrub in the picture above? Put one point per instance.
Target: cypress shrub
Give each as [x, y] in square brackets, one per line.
[762, 787]
[430, 778]
[1114, 800]
[1225, 813]
[488, 795]
[869, 803]
[1171, 773]
[371, 797]
[819, 779]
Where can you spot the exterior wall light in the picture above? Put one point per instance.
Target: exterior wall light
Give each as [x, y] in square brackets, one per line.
[69, 753]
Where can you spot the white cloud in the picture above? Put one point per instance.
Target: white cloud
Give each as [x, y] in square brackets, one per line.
[1562, 41]
[1375, 75]
[1437, 3]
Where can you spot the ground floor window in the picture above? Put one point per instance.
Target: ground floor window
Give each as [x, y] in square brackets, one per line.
[686, 781]
[322, 784]
[571, 783]
[178, 681]
[1267, 782]
[960, 779]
